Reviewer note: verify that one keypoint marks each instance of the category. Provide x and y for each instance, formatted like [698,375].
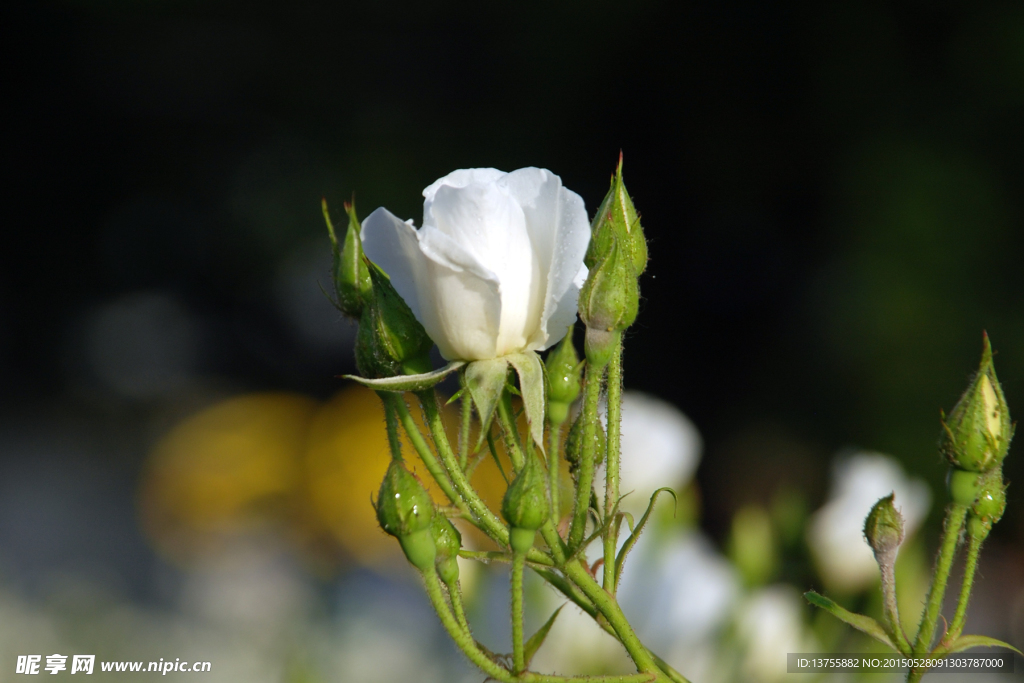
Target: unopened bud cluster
[975,439]
[617,255]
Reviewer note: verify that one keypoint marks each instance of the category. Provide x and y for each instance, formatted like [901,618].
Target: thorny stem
[973,551]
[455,596]
[391,422]
[420,444]
[953,524]
[554,461]
[585,474]
[892,613]
[611,491]
[518,660]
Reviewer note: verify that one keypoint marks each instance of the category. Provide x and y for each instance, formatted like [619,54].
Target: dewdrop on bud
[390,340]
[883,529]
[448,542]
[525,506]
[405,510]
[563,373]
[989,505]
[976,435]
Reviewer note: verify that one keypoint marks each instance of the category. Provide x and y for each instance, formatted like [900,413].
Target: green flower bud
[351,275]
[963,486]
[617,220]
[883,529]
[390,340]
[525,506]
[574,443]
[977,434]
[610,297]
[448,542]
[563,372]
[405,510]
[989,506]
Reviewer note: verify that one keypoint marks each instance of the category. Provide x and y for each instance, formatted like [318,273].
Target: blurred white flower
[836,531]
[497,266]
[769,625]
[660,447]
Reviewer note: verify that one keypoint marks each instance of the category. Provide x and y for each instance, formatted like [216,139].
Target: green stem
[611,611]
[484,519]
[467,416]
[391,422]
[953,524]
[891,608]
[585,474]
[973,551]
[611,490]
[518,658]
[508,427]
[554,443]
[455,596]
[426,455]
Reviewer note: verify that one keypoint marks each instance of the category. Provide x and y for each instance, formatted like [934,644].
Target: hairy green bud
[525,506]
[883,529]
[617,220]
[976,435]
[963,486]
[390,340]
[989,506]
[448,542]
[574,443]
[351,275]
[610,298]
[406,511]
[563,374]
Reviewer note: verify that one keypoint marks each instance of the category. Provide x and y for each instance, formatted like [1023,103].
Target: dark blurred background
[832,194]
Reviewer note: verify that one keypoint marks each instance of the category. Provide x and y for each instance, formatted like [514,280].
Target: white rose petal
[497,265]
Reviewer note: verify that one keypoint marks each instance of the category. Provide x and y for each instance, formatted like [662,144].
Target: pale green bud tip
[525,505]
[976,435]
[403,506]
[390,340]
[563,373]
[617,218]
[883,527]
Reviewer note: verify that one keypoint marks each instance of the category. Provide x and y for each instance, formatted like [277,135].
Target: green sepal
[610,297]
[418,382]
[537,639]
[635,535]
[485,380]
[532,385]
[967,642]
[403,505]
[525,505]
[617,218]
[862,623]
[563,374]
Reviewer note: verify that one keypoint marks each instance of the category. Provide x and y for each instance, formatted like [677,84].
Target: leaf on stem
[860,622]
[537,639]
[635,535]
[531,382]
[408,382]
[966,642]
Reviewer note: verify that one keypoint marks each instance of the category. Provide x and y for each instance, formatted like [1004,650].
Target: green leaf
[537,639]
[408,382]
[635,535]
[967,642]
[485,380]
[858,621]
[531,382]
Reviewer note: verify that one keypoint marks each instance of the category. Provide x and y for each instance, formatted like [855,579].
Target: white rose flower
[496,267]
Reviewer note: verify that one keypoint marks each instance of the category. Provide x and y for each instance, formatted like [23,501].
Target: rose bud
[351,275]
[563,374]
[390,340]
[525,506]
[617,219]
[405,510]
